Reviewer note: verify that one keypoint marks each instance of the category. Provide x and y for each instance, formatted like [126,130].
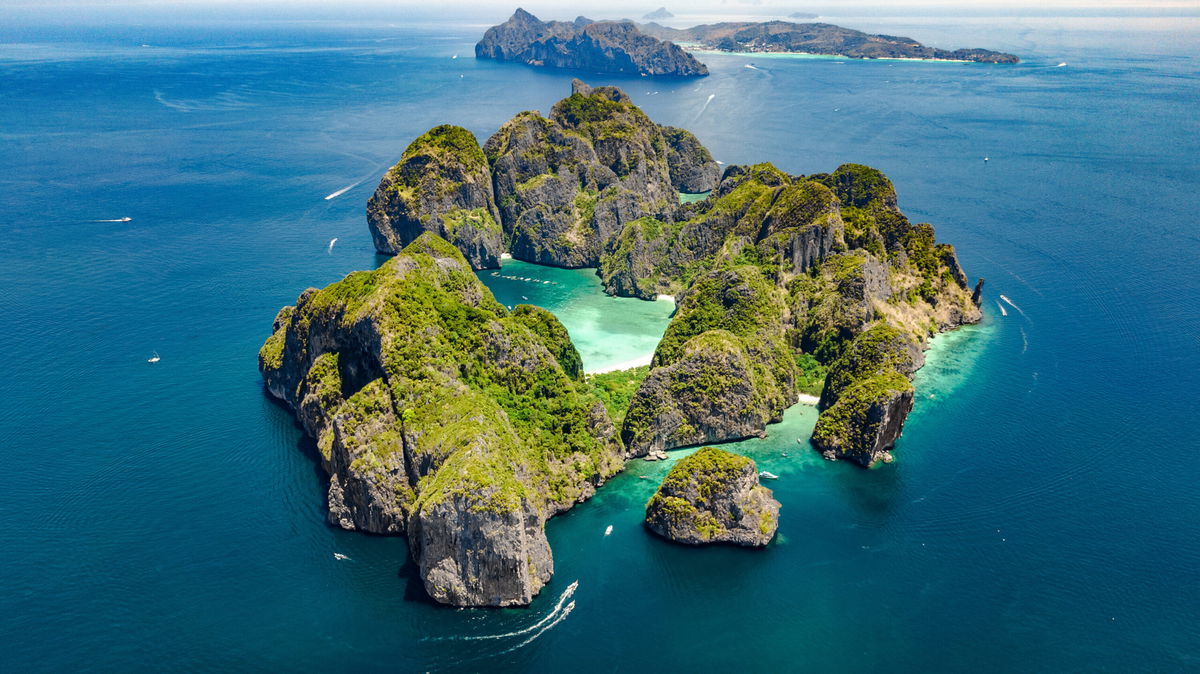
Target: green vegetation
[473,218]
[810,379]
[852,423]
[490,400]
[616,389]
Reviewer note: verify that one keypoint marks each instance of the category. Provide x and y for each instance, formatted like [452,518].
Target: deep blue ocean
[1043,513]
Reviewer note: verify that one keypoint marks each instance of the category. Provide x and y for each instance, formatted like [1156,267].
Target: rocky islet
[442,415]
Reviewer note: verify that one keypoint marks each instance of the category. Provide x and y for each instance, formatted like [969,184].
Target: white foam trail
[1061,65]
[331,242]
[124,219]
[751,66]
[549,616]
[705,106]
[159,97]
[1001,307]
[561,617]
[1014,306]
[1024,341]
[344,190]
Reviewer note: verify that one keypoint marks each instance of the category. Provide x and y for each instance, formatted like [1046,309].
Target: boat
[768,476]
[608,531]
[153,359]
[339,556]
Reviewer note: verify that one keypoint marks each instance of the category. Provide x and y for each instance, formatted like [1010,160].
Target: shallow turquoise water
[1041,514]
[609,332]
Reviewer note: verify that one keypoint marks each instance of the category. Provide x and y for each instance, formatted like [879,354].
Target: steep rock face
[878,350]
[713,496]
[604,47]
[569,183]
[692,167]
[438,413]
[866,420]
[756,213]
[442,185]
[722,371]
[843,256]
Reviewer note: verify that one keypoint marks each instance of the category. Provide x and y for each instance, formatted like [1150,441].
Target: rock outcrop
[713,496]
[582,44]
[824,260]
[567,184]
[440,414]
[815,38]
[722,371]
[693,169]
[442,185]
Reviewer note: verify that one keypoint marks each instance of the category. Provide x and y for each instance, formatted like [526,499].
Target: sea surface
[1043,511]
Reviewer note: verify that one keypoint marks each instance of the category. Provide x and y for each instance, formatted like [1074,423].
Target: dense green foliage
[849,423]
[484,392]
[615,389]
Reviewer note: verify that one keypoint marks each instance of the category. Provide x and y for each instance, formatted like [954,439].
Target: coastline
[811,55]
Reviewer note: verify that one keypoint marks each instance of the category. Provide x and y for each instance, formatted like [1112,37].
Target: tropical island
[624,47]
[813,38]
[594,46]
[440,414]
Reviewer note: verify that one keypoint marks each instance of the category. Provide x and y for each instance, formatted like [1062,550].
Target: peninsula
[593,46]
[442,415]
[814,38]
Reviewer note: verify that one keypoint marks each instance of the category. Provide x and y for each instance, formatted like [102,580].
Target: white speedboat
[768,476]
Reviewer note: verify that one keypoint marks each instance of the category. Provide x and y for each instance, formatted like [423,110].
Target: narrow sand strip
[629,364]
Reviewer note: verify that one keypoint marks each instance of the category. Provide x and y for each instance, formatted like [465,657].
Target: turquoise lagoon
[1042,510]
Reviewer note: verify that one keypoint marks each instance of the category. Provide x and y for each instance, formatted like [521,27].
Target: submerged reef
[443,416]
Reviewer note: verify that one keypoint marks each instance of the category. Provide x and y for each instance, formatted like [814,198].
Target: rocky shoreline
[444,416]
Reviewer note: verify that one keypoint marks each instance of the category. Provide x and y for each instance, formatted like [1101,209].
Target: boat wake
[1003,311]
[344,190]
[561,617]
[751,66]
[124,219]
[558,611]
[1061,65]
[331,242]
[1014,306]
[705,106]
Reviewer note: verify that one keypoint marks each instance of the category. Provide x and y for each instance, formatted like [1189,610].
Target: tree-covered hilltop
[552,190]
[442,185]
[440,414]
[713,496]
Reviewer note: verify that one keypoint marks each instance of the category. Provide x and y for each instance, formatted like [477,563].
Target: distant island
[442,415]
[802,15]
[594,46]
[660,13]
[814,38]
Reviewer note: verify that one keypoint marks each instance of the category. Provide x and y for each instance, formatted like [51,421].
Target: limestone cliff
[713,496]
[835,258]
[439,414]
[722,371]
[601,46]
[442,185]
[567,184]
